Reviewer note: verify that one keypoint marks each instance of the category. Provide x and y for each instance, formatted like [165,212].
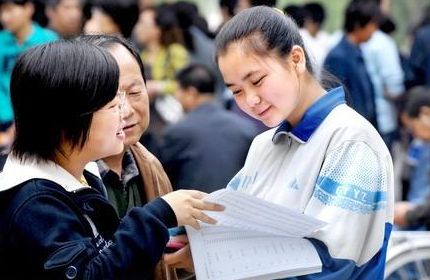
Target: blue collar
[312,118]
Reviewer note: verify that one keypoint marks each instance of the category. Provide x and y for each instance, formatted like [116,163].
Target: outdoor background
[405,13]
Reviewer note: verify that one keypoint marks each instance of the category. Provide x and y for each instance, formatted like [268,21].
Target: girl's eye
[258,82]
[235,92]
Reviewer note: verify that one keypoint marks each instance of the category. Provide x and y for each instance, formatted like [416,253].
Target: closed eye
[258,82]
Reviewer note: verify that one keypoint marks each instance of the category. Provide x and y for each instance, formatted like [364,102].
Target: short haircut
[197,76]
[230,5]
[315,12]
[17,2]
[270,3]
[110,41]
[296,12]
[54,3]
[55,89]
[417,98]
[124,13]
[359,13]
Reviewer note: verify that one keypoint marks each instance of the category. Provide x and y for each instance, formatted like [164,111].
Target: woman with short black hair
[55,219]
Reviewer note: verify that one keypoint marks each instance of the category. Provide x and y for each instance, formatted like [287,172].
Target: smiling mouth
[263,112]
[128,126]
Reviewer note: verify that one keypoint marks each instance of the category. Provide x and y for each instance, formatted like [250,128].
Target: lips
[128,126]
[263,112]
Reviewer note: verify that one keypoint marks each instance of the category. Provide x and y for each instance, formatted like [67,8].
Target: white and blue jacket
[333,166]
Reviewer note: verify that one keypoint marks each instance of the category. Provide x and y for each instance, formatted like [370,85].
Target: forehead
[128,65]
[11,5]
[238,60]
[69,3]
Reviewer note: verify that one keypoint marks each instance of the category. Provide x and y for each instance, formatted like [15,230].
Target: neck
[23,33]
[310,91]
[352,39]
[200,100]
[115,162]
[154,46]
[73,164]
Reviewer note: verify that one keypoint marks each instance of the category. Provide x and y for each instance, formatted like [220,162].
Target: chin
[271,123]
[117,150]
[131,140]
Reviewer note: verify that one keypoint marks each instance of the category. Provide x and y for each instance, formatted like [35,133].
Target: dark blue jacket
[46,233]
[420,56]
[206,149]
[346,62]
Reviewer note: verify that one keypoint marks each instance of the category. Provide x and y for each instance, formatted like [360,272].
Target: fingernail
[220,207]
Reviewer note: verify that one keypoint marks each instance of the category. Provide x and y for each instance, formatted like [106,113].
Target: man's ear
[298,59]
[49,12]
[29,7]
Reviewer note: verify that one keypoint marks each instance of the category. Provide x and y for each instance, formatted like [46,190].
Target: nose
[252,98]
[126,108]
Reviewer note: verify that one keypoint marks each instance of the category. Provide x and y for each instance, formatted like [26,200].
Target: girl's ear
[298,59]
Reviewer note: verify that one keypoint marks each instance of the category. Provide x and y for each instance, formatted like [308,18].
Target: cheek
[143,113]
[243,105]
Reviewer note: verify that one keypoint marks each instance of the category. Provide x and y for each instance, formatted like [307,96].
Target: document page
[226,254]
[253,239]
[250,213]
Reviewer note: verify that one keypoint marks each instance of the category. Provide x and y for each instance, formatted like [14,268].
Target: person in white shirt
[321,157]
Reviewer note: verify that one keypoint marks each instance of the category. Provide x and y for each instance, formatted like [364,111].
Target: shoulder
[183,127]
[379,42]
[344,124]
[31,194]
[177,49]
[423,33]
[337,54]
[5,36]
[264,139]
[141,153]
[44,35]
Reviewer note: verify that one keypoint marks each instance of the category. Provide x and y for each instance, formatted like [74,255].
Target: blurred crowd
[196,129]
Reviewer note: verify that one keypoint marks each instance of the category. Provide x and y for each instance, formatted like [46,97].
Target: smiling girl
[321,157]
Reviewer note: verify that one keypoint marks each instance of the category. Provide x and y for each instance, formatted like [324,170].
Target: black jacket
[47,232]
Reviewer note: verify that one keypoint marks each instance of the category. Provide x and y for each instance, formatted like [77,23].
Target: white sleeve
[353,193]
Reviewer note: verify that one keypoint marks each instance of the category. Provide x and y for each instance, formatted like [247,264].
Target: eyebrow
[133,84]
[249,74]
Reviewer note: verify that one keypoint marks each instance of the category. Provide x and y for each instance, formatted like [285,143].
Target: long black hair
[263,29]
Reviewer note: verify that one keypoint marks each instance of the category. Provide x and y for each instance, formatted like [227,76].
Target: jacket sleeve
[353,194]
[48,228]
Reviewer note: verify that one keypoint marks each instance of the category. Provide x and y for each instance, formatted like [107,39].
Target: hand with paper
[253,239]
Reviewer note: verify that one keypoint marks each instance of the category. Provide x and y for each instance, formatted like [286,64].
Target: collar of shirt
[27,41]
[129,167]
[312,118]
[16,172]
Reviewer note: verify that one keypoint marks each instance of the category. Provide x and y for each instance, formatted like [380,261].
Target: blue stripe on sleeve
[340,269]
